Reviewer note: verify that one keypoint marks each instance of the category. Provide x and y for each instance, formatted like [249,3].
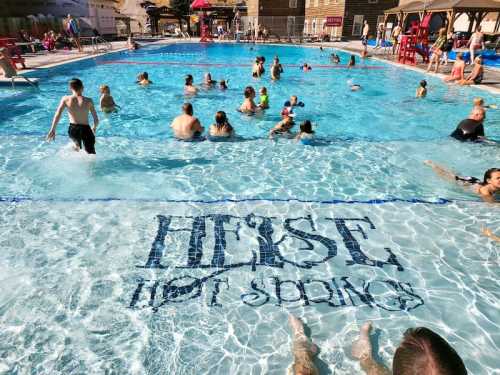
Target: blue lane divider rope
[438,201]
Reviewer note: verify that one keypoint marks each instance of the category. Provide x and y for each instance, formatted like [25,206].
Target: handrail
[96,41]
[23,77]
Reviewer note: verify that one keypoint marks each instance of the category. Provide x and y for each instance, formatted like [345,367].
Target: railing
[98,43]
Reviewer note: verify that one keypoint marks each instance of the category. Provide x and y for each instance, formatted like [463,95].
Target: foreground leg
[362,350]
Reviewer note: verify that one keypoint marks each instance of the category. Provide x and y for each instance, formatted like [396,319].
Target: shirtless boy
[186,127]
[78,107]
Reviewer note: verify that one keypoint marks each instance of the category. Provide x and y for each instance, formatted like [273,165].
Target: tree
[181,9]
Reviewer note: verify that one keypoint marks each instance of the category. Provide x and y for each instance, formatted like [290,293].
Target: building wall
[280,17]
[316,12]
[370,11]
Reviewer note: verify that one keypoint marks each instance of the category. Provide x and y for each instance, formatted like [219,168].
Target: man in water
[471,129]
[189,88]
[421,351]
[78,107]
[186,127]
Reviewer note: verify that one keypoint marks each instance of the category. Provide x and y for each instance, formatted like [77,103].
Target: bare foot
[430,163]
[296,324]
[362,347]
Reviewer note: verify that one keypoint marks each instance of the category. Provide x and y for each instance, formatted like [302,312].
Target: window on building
[292,3]
[308,3]
[290,25]
[306,26]
[316,3]
[313,26]
[357,26]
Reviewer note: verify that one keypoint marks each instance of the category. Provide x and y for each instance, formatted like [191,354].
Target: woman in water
[457,72]
[422,89]
[306,134]
[488,189]
[248,105]
[222,128]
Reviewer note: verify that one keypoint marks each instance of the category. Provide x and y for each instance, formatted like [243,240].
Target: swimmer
[355,87]
[293,102]
[304,350]
[264,98]
[248,105]
[471,129]
[143,79]
[223,85]
[222,128]
[186,127]
[189,88]
[335,59]
[276,69]
[306,134]
[321,48]
[422,89]
[208,81]
[479,102]
[107,102]
[306,67]
[283,127]
[78,107]
[258,67]
[352,61]
[488,189]
[421,351]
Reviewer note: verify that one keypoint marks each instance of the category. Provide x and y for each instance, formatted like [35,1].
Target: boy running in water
[78,107]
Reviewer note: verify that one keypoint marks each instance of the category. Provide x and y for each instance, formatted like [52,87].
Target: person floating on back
[186,127]
[107,102]
[422,89]
[78,107]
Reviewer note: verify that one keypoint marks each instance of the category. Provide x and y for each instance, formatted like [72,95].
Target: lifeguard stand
[205,33]
[416,42]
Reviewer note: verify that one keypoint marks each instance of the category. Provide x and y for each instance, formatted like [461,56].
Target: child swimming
[283,127]
[143,79]
[306,67]
[223,85]
[107,102]
[264,98]
[306,134]
[422,89]
[479,102]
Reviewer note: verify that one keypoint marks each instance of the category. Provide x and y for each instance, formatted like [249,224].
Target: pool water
[162,257]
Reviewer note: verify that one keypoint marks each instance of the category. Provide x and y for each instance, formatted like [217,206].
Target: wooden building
[344,18]
[280,17]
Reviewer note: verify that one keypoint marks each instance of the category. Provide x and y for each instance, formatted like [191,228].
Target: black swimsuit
[82,133]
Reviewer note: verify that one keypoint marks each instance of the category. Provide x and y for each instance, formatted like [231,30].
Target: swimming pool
[170,257]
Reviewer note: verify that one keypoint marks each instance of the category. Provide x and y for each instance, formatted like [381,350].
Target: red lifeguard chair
[416,42]
[206,35]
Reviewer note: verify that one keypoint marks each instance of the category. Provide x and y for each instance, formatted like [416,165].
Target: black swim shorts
[82,133]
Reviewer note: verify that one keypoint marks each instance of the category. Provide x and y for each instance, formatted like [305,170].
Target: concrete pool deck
[47,60]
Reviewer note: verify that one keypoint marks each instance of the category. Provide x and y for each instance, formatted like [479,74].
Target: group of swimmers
[187,127]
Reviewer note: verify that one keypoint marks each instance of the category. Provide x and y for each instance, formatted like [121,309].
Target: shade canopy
[446,5]
[200,4]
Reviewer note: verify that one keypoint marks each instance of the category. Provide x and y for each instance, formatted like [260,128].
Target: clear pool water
[162,257]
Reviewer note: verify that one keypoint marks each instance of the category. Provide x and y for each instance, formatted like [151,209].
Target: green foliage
[180,8]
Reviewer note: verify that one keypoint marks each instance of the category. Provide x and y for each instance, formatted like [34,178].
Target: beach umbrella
[200,4]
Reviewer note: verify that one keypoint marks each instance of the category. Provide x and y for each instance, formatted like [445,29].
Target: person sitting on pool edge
[283,127]
[186,127]
[248,106]
[488,189]
[306,134]
[78,107]
[222,128]
[476,76]
[422,89]
[421,352]
[143,79]
[189,88]
[471,129]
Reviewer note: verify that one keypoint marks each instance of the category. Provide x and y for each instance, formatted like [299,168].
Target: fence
[281,27]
